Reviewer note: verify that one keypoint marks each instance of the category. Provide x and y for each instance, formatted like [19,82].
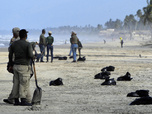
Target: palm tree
[129,24]
[147,16]
[138,14]
[118,24]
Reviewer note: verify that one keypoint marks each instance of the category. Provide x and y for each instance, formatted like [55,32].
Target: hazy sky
[40,14]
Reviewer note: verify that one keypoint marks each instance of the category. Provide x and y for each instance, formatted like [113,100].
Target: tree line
[140,21]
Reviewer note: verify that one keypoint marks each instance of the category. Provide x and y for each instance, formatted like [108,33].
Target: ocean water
[58,39]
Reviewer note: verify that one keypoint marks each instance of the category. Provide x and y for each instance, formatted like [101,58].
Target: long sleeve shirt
[50,40]
[74,39]
[23,53]
[42,39]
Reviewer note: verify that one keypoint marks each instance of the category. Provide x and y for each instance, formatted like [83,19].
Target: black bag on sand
[102,75]
[56,82]
[142,101]
[139,93]
[109,82]
[81,59]
[126,77]
[108,68]
[63,58]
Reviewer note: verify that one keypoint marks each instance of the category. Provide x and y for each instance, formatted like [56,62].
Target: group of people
[46,42]
[20,62]
[21,58]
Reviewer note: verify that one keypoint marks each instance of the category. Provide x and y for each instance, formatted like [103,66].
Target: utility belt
[20,64]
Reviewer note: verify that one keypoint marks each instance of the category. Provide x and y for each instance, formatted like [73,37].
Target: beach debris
[81,58]
[102,75]
[108,68]
[56,82]
[142,101]
[139,93]
[109,81]
[62,58]
[70,57]
[126,77]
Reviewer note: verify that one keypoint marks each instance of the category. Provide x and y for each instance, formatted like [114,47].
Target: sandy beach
[81,93]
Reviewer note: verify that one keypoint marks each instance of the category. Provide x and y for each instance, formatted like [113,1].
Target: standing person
[79,48]
[15,37]
[21,66]
[42,44]
[49,41]
[121,42]
[74,41]
[70,46]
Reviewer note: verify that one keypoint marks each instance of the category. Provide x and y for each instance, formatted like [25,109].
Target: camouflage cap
[73,32]
[15,30]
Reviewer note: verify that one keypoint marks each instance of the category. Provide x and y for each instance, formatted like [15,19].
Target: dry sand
[81,93]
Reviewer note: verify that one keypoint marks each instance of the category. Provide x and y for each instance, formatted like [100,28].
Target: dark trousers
[42,50]
[49,48]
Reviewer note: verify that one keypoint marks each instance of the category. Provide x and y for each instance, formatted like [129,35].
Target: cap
[15,30]
[73,32]
[50,32]
[23,31]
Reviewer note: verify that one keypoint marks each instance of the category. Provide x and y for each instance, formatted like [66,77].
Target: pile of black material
[144,99]
[81,59]
[105,74]
[62,58]
[139,93]
[109,82]
[102,75]
[108,68]
[126,77]
[56,82]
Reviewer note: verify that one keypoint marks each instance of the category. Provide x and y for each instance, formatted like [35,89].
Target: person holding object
[23,54]
[49,41]
[15,37]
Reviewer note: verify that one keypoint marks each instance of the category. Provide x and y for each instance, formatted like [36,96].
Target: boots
[24,102]
[16,102]
[8,101]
